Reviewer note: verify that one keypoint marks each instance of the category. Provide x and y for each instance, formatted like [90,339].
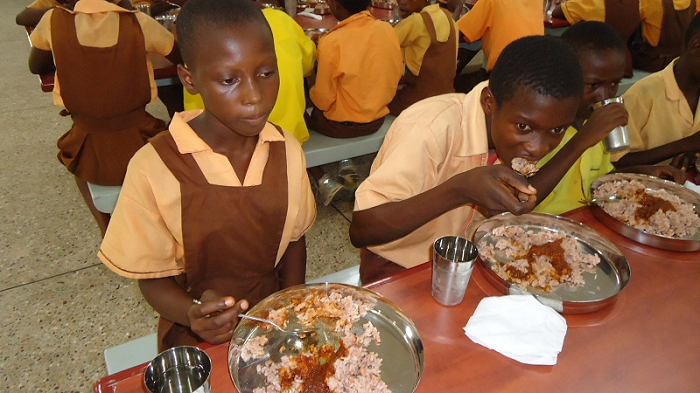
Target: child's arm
[30,17]
[689,144]
[601,122]
[663,171]
[174,56]
[213,320]
[494,188]
[293,264]
[41,61]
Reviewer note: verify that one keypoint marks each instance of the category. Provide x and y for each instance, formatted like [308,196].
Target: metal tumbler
[182,369]
[453,262]
[618,139]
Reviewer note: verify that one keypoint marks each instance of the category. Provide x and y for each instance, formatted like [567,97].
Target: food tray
[401,349]
[600,288]
[687,244]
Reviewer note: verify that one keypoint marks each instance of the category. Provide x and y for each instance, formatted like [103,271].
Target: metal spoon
[298,339]
[611,198]
[295,331]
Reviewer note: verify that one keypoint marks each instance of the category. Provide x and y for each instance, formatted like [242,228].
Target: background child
[31,15]
[359,67]
[217,208]
[296,57]
[433,170]
[107,103]
[497,23]
[663,23]
[428,37]
[601,53]
[664,110]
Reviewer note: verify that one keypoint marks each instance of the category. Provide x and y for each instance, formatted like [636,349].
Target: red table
[647,340]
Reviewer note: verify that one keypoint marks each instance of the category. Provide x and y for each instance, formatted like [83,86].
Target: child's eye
[229,81]
[523,127]
[267,74]
[558,130]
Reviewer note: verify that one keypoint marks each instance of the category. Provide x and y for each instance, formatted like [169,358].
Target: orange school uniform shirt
[650,11]
[97,25]
[497,23]
[359,67]
[415,39]
[144,238]
[430,142]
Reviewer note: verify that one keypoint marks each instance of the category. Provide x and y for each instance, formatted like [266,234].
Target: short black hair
[593,36]
[197,16]
[354,6]
[542,64]
[692,30]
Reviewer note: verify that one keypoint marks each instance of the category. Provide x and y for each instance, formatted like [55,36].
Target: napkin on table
[519,327]
[692,186]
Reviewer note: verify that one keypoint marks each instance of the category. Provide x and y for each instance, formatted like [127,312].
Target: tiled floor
[59,306]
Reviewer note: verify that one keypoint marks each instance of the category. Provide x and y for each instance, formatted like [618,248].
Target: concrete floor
[59,306]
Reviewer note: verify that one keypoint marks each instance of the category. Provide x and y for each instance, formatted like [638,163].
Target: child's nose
[252,93]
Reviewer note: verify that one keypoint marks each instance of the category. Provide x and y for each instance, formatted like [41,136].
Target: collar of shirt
[188,141]
[474,124]
[97,6]
[359,16]
[673,91]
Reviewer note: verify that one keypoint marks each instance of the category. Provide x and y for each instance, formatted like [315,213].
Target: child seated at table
[664,110]
[216,209]
[358,72]
[31,15]
[428,38]
[434,169]
[601,53]
[107,103]
[663,23]
[296,57]
[497,23]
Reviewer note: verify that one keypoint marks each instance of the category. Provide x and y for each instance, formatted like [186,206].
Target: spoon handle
[244,316]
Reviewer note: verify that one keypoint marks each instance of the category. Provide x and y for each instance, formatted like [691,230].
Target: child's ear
[186,79]
[488,102]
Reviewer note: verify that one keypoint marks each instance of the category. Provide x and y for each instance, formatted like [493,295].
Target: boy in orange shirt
[213,212]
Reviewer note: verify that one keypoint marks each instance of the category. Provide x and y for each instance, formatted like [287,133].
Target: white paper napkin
[518,326]
[310,14]
[692,186]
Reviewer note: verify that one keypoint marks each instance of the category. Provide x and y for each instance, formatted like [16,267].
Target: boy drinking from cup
[213,213]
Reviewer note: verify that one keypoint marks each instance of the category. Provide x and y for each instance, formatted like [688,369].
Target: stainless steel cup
[618,139]
[453,262]
[182,369]
[145,8]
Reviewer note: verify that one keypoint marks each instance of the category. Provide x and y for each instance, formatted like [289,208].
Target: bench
[321,149]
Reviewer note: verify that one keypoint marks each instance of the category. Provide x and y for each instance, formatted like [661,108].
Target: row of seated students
[216,209]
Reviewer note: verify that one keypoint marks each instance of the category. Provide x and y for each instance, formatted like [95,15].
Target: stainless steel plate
[688,243]
[600,288]
[401,349]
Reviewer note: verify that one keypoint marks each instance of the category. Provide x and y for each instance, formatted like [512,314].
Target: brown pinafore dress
[106,91]
[623,16]
[437,71]
[231,234]
[671,40]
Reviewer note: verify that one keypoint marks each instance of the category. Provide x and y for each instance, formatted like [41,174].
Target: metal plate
[600,288]
[687,244]
[401,349]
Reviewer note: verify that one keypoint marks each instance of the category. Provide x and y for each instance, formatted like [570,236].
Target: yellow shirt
[296,57]
[97,25]
[430,142]
[576,183]
[651,13]
[359,67]
[497,23]
[144,238]
[658,112]
[415,39]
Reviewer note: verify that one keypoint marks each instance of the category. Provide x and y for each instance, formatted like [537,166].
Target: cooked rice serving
[347,366]
[541,260]
[524,167]
[658,212]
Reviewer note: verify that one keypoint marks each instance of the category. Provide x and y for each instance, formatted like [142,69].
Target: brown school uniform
[436,74]
[242,266]
[671,40]
[623,16]
[107,103]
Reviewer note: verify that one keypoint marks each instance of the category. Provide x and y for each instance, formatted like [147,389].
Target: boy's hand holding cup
[214,317]
[618,138]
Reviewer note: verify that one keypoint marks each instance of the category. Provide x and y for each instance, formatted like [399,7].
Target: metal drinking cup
[145,8]
[618,139]
[453,262]
[182,369]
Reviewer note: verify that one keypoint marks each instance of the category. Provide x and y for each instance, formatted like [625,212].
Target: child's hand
[668,172]
[602,121]
[685,160]
[214,319]
[498,188]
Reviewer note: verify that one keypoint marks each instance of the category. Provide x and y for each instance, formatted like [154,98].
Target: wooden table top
[647,340]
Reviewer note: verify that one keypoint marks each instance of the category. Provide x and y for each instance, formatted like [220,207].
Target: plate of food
[354,340]
[649,210]
[563,263]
